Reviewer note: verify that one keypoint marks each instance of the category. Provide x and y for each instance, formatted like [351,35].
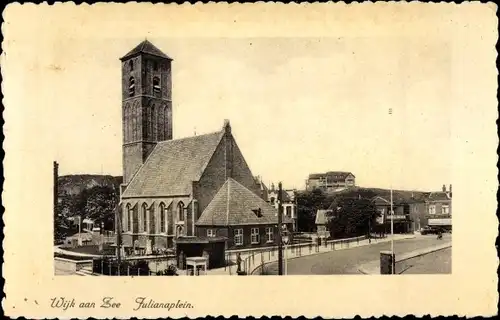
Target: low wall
[71,266]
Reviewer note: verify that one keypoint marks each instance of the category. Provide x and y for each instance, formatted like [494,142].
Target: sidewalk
[373,267]
[252,262]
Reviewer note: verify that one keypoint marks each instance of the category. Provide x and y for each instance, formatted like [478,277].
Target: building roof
[173,165]
[285,196]
[236,205]
[322,216]
[439,196]
[148,48]
[332,175]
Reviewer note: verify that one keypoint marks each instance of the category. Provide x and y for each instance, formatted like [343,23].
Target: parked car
[430,230]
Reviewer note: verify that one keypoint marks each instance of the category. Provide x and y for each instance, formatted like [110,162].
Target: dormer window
[258,212]
[156,86]
[131,87]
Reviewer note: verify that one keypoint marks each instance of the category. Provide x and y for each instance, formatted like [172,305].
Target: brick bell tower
[146,104]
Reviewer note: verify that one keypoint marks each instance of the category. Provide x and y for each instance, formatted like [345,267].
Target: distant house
[331,181]
[438,207]
[322,219]
[402,218]
[240,215]
[288,202]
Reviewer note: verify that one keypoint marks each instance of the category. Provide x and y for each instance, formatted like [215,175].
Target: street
[346,261]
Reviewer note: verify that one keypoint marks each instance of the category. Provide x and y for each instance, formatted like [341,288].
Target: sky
[297,105]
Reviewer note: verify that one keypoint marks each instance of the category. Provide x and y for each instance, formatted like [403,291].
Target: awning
[440,222]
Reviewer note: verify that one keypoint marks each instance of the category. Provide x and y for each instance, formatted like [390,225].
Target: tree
[352,215]
[98,203]
[308,203]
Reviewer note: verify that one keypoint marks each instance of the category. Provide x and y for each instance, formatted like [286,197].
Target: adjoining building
[288,202]
[240,215]
[330,181]
[168,185]
[438,206]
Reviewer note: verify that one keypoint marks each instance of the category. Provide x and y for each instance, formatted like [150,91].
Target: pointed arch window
[131,87]
[130,218]
[127,224]
[156,86]
[180,211]
[144,217]
[162,217]
[153,123]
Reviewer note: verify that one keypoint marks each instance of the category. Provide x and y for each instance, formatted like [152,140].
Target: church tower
[146,104]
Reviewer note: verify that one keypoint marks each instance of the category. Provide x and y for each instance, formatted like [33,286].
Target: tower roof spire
[145,47]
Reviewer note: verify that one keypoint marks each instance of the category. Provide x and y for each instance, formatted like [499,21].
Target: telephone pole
[280,221]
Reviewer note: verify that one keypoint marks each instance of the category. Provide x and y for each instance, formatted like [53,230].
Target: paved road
[438,262]
[346,261]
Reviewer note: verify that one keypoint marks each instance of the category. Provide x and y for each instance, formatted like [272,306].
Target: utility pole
[118,228]
[392,214]
[280,221]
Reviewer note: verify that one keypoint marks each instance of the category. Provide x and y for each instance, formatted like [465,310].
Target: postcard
[259,159]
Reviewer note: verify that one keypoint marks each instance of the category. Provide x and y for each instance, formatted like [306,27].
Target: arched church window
[127,225]
[162,217]
[131,87]
[153,123]
[130,218]
[131,65]
[180,211]
[144,217]
[156,86]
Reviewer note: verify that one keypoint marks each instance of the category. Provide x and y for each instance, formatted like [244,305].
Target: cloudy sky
[297,105]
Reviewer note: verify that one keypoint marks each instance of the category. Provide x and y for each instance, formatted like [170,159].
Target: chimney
[450,187]
[444,188]
[227,126]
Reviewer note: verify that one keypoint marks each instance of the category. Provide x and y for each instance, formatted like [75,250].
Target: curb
[374,266]
[317,253]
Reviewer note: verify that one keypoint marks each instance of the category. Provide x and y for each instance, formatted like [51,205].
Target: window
[127,225]
[180,211]
[156,86]
[155,66]
[131,87]
[130,219]
[445,209]
[255,236]
[162,217]
[432,209]
[210,233]
[238,237]
[269,234]
[131,65]
[144,217]
[289,211]
[272,200]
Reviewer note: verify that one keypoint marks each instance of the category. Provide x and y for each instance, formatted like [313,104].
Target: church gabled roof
[234,204]
[173,165]
[146,47]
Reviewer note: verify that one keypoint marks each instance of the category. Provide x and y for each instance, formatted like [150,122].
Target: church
[198,186]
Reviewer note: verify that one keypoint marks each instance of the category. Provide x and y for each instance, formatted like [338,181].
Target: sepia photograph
[230,159]
[197,205]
